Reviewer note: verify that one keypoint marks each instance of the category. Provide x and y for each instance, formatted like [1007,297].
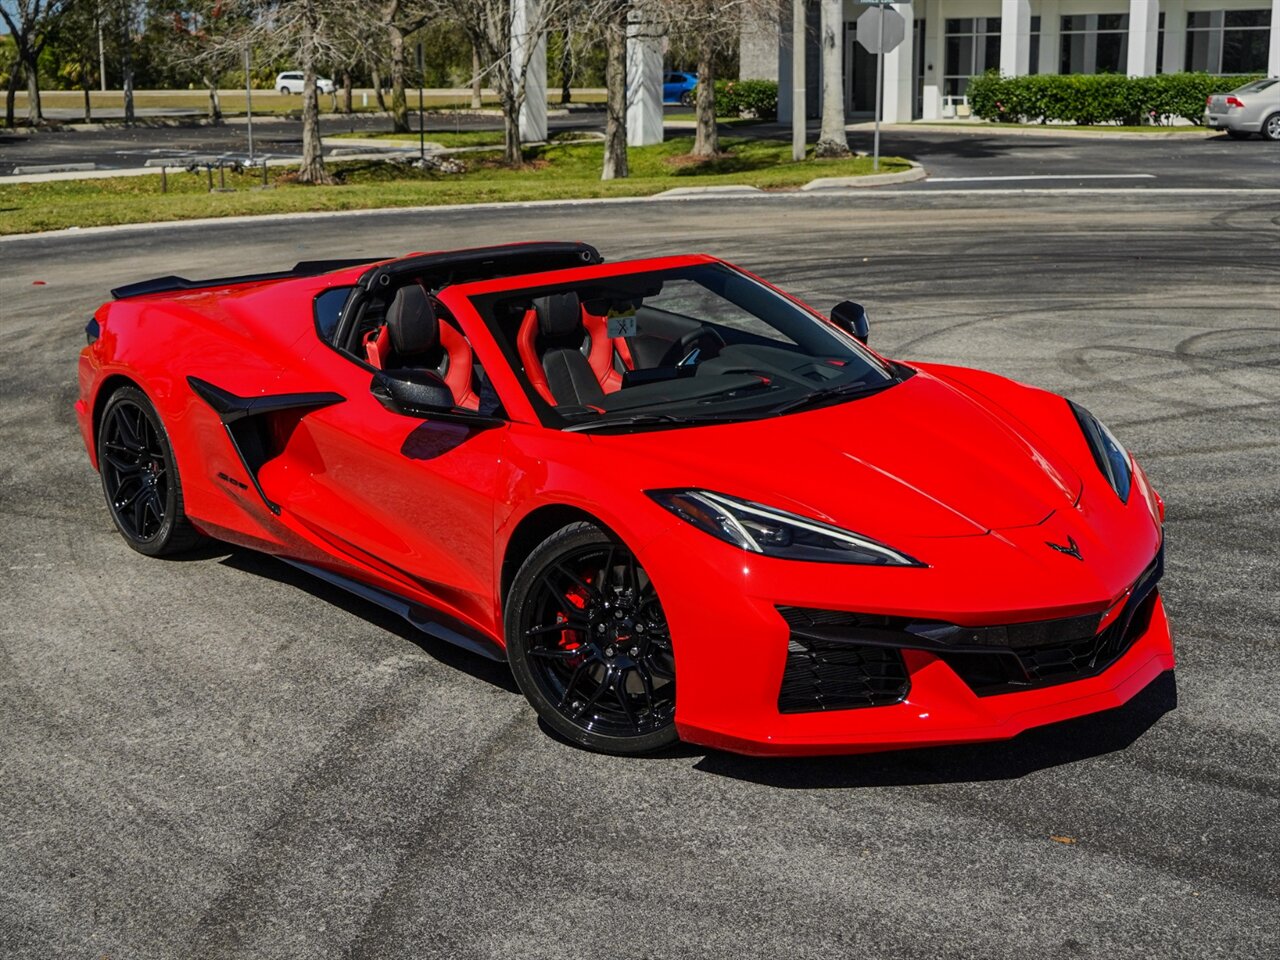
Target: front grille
[840,676]
[853,659]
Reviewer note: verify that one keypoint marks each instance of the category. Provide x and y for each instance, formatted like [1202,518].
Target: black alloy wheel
[140,476]
[687,98]
[589,644]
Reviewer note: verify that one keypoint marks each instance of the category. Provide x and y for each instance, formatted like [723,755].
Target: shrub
[1095,98]
[734,98]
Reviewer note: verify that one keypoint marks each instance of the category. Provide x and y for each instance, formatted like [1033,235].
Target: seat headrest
[559,315]
[412,323]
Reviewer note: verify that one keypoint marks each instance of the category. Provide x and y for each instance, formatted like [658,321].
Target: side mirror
[424,395]
[852,319]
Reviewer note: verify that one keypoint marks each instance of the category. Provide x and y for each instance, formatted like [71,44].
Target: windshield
[693,344]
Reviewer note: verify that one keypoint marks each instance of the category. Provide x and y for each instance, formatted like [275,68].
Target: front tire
[589,644]
[140,477]
[1271,127]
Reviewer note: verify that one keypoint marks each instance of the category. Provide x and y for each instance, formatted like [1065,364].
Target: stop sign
[881,29]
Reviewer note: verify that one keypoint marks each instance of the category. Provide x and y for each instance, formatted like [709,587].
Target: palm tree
[833,141]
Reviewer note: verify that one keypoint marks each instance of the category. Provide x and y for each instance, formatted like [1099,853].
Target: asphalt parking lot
[218,757]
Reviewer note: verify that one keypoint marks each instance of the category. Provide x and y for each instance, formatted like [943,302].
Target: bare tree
[400,18]
[833,141]
[612,16]
[488,25]
[32,24]
[712,26]
[196,38]
[304,32]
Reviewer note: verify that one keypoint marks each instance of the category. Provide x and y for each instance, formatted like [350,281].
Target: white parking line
[1050,176]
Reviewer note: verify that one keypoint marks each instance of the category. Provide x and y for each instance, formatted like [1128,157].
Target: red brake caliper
[576,598]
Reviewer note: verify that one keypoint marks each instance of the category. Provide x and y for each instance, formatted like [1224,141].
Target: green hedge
[757,97]
[1084,98]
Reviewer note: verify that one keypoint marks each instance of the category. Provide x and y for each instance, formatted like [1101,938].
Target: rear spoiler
[305,268]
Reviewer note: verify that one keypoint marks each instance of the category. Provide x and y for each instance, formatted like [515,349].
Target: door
[407,503]
[860,73]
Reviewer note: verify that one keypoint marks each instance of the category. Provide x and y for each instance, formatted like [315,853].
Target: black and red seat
[567,352]
[414,336]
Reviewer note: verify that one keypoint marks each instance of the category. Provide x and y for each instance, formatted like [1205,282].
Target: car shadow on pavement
[456,658]
[1049,746]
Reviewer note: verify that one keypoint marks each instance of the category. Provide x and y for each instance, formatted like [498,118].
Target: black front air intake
[837,659]
[824,675]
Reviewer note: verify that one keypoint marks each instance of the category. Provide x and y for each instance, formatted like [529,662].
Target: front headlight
[775,533]
[1108,453]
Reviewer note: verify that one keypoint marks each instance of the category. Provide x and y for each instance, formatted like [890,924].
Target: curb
[916,172]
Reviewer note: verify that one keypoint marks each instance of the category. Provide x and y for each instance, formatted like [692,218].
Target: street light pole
[797,79]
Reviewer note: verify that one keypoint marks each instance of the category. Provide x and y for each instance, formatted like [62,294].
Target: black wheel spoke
[591,684]
[120,465]
[571,624]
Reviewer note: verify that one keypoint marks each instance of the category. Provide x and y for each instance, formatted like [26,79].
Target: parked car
[679,87]
[291,82]
[616,475]
[1253,108]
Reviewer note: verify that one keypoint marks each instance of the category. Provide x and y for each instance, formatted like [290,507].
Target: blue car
[678,88]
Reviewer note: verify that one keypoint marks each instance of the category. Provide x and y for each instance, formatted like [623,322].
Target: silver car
[1253,108]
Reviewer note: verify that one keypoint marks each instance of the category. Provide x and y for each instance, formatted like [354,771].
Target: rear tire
[285,91]
[687,98]
[589,645]
[140,477]
[1271,127]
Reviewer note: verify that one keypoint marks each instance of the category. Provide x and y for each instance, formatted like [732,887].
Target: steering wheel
[704,339]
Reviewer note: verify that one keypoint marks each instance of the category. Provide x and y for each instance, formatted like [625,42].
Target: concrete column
[1144,36]
[784,78]
[935,41]
[529,53]
[1175,35]
[1015,37]
[644,82]
[899,73]
[1273,56]
[758,51]
[1050,36]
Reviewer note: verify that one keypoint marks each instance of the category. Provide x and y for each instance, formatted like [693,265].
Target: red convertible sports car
[677,501]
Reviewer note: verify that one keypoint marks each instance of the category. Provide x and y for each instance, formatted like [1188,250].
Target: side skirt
[428,621]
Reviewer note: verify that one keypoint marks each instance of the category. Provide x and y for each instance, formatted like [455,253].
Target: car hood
[921,459]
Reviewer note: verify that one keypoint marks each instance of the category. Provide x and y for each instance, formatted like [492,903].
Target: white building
[952,40]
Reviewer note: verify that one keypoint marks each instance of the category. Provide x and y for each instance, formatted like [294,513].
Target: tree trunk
[566,68]
[126,74]
[615,82]
[312,168]
[376,77]
[346,91]
[88,108]
[399,104]
[833,141]
[215,104]
[707,141]
[475,78]
[11,91]
[511,152]
[29,65]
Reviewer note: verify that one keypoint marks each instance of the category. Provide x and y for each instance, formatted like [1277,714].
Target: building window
[1228,41]
[1033,60]
[1095,43]
[973,47]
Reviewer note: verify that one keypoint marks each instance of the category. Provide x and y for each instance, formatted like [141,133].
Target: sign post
[880,30]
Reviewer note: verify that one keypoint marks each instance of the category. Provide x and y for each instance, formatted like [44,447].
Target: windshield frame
[473,299]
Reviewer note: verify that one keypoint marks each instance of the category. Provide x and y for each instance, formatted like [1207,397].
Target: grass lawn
[554,172]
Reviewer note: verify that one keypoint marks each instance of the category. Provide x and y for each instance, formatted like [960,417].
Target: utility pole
[797,79]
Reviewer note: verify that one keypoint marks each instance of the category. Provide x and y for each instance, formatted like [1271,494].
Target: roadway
[969,157]
[219,757]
